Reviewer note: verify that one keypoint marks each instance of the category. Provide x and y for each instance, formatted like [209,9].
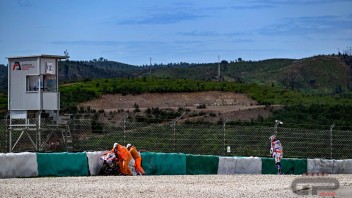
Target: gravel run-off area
[162,186]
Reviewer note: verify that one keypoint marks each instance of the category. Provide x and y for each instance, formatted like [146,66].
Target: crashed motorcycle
[109,165]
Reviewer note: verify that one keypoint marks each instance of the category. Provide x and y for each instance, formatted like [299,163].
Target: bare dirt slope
[231,105]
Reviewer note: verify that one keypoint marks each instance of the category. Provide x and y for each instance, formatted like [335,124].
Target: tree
[224,62]
[292,75]
[101,59]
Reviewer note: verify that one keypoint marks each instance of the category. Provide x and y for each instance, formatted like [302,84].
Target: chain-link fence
[82,133]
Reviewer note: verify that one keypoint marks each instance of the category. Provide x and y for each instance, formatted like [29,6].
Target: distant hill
[80,70]
[318,74]
[244,71]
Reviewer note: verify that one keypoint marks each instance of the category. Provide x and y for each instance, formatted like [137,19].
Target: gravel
[159,186]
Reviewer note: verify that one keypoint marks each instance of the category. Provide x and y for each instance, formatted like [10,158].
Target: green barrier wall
[164,163]
[201,164]
[62,164]
[289,166]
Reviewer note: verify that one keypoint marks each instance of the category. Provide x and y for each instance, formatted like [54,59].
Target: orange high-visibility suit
[124,159]
[137,159]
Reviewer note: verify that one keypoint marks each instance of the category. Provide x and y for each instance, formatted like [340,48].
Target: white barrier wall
[131,166]
[239,165]
[329,166]
[347,166]
[18,165]
[94,162]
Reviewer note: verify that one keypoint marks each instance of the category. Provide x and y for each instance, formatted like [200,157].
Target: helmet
[272,138]
[128,145]
[115,145]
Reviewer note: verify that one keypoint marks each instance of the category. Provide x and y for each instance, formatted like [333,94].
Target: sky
[140,32]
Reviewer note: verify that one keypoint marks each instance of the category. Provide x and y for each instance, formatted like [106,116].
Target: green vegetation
[3,104]
[319,74]
[318,115]
[3,78]
[315,109]
[3,100]
[75,93]
[97,68]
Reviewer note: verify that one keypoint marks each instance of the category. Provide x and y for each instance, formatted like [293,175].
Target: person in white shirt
[276,151]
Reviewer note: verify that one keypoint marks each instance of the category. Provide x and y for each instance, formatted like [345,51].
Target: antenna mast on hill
[66,54]
[218,67]
[150,65]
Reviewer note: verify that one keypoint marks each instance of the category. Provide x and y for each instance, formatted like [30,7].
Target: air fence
[82,133]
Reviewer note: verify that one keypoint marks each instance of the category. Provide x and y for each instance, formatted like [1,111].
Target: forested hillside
[3,78]
[319,74]
[79,70]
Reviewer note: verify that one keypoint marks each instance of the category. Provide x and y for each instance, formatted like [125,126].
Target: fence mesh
[88,134]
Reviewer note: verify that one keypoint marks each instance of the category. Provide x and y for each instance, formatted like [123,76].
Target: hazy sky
[194,31]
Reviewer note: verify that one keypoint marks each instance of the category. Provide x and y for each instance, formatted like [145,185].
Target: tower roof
[40,56]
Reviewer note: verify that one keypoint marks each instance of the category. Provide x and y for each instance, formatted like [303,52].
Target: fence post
[74,126]
[4,140]
[7,135]
[224,135]
[38,135]
[124,128]
[2,137]
[277,122]
[174,129]
[331,127]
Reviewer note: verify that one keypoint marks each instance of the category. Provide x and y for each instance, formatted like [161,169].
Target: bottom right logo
[321,186]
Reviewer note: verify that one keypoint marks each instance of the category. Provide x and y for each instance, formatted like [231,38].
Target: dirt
[232,106]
